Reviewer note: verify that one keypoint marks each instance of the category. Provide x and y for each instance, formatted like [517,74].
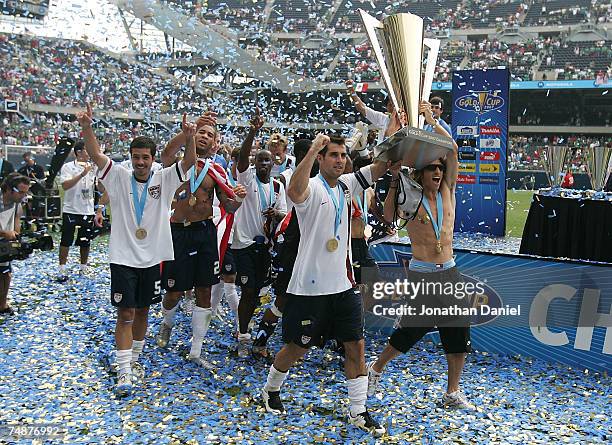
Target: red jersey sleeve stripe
[107,169]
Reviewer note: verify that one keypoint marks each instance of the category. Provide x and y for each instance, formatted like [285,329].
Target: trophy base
[417,148]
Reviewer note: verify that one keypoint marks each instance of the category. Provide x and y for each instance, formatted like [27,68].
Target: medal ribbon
[339,207]
[230,178]
[363,209]
[139,201]
[262,194]
[283,166]
[195,183]
[435,226]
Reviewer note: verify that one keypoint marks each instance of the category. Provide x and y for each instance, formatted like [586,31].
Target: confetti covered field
[54,371]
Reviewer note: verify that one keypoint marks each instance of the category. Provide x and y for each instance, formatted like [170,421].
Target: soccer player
[285,259]
[78,179]
[194,237]
[140,236]
[256,220]
[431,236]
[321,296]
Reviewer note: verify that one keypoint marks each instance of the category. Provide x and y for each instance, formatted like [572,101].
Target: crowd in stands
[306,16]
[525,152]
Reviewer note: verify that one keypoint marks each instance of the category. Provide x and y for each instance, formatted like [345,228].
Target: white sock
[62,269]
[231,295]
[216,292]
[200,320]
[83,267]
[124,359]
[276,378]
[169,315]
[358,393]
[137,347]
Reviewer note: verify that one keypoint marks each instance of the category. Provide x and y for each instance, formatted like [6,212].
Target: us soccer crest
[117,297]
[305,339]
[170,282]
[155,191]
[244,279]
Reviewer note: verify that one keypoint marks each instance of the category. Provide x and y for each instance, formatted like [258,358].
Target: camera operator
[14,188]
[30,168]
[78,179]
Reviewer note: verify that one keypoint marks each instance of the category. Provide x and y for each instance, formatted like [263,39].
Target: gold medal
[438,247]
[367,231]
[192,200]
[332,245]
[141,233]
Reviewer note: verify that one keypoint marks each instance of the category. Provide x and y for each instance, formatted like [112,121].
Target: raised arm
[85,119]
[452,159]
[245,150]
[359,105]
[298,186]
[189,129]
[168,155]
[379,168]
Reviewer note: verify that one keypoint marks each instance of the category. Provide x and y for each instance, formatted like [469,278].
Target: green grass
[517,207]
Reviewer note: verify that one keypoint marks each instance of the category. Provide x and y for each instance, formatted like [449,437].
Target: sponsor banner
[467,130]
[466,179]
[467,155]
[563,305]
[469,167]
[489,168]
[542,85]
[480,99]
[490,130]
[489,155]
[490,143]
[488,179]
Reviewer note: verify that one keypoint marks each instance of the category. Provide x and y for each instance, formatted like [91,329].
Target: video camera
[23,247]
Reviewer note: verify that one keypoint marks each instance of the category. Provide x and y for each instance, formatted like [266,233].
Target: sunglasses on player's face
[434,167]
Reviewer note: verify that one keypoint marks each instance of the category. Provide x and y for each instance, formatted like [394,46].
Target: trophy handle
[430,68]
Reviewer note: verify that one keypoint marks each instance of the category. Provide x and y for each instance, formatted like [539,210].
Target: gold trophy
[555,158]
[599,167]
[398,45]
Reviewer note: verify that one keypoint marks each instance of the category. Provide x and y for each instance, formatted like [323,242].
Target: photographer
[14,188]
[78,179]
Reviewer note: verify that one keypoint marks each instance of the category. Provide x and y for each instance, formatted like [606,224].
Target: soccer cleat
[163,336]
[365,422]
[272,401]
[456,400]
[138,372]
[7,311]
[61,278]
[124,384]
[373,379]
[201,362]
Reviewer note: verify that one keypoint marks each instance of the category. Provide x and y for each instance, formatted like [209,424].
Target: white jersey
[7,216]
[379,120]
[127,164]
[78,199]
[124,247]
[277,170]
[287,174]
[249,220]
[318,271]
